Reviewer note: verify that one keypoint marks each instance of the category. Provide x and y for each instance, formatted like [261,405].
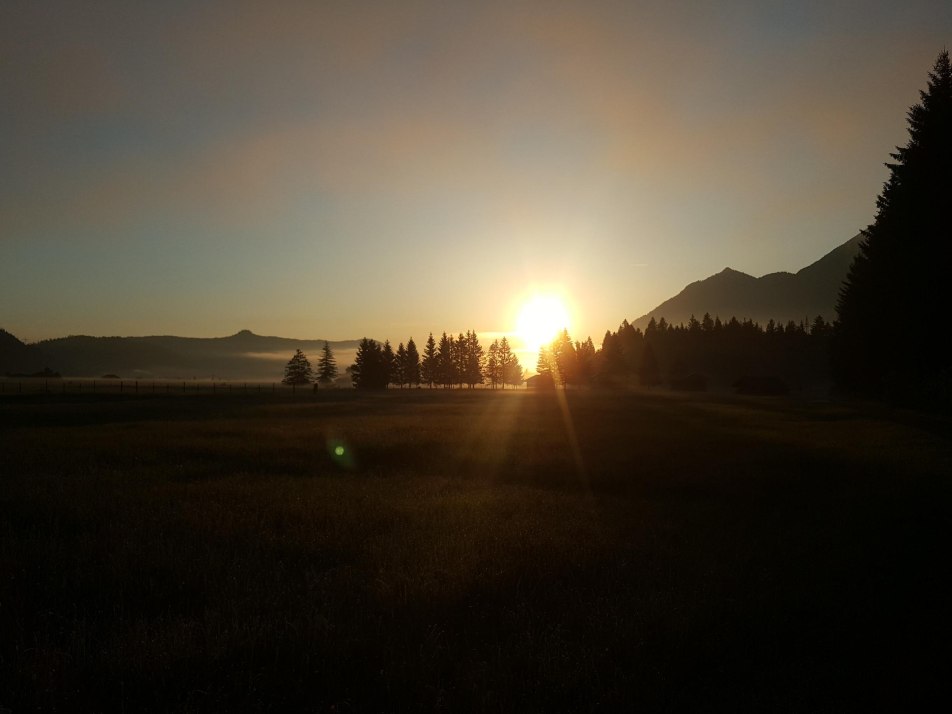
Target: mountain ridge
[779,296]
[243,355]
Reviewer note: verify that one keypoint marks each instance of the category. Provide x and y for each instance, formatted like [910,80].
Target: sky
[329,170]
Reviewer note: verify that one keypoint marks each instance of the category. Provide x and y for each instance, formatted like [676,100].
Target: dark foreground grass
[470,552]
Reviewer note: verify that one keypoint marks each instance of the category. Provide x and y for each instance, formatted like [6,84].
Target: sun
[540,320]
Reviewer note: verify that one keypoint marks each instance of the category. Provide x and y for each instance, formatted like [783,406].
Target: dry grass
[214,553]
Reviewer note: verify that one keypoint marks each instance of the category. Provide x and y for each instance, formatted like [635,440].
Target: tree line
[451,362]
[687,356]
[298,370]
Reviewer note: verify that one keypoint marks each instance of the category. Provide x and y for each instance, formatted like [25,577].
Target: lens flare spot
[338,450]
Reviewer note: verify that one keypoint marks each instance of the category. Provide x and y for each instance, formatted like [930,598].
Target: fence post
[120,386]
[137,386]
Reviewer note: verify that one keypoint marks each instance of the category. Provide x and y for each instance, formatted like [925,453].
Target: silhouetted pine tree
[369,370]
[584,361]
[298,370]
[899,276]
[512,372]
[326,366]
[445,369]
[429,371]
[412,368]
[563,359]
[400,366]
[472,360]
[545,362]
[458,353]
[388,362]
[493,371]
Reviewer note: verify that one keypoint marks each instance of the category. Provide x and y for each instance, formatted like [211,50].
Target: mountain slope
[244,355]
[780,296]
[16,357]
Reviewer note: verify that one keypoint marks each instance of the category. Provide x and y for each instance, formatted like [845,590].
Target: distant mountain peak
[244,333]
[780,296]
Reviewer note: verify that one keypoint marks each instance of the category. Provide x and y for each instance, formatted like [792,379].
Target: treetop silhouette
[899,275]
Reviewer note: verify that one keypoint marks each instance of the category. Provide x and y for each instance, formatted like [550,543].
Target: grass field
[470,551]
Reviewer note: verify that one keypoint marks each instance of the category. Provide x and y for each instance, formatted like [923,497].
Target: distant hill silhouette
[18,358]
[243,355]
[781,296]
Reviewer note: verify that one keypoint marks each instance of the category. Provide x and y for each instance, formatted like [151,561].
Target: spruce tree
[545,362]
[326,366]
[388,363]
[444,361]
[369,370]
[472,360]
[897,281]
[412,368]
[584,361]
[511,369]
[493,366]
[429,371]
[400,366]
[298,370]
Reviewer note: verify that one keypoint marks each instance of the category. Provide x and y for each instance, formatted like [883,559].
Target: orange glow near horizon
[541,317]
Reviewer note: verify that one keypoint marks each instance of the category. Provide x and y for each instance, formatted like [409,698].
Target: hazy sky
[333,170]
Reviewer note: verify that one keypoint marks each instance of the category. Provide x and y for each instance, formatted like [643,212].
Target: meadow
[470,551]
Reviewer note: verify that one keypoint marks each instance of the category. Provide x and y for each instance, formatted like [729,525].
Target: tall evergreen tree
[326,366]
[388,362]
[459,359]
[429,368]
[512,372]
[493,365]
[298,370]
[444,361]
[369,370]
[899,276]
[471,370]
[400,366]
[584,361]
[563,359]
[412,369]
[544,365]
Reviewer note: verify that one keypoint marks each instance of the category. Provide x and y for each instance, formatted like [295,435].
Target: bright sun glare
[540,319]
